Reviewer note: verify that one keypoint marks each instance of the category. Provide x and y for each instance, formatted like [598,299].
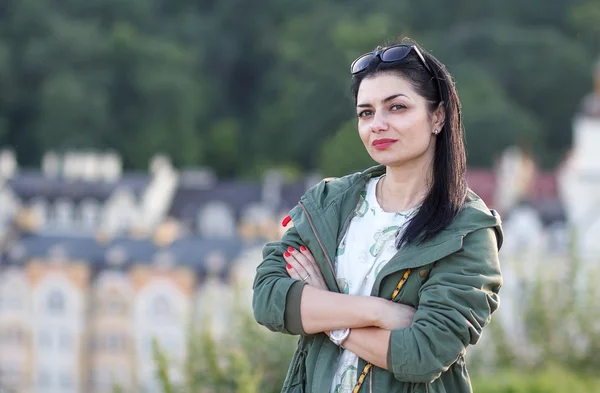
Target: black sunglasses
[387,55]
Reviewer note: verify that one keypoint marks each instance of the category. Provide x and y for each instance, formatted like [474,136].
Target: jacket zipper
[312,227]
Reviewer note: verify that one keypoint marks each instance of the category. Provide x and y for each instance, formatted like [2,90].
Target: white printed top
[367,246]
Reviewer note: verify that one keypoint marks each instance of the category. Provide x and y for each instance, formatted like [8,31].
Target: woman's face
[394,122]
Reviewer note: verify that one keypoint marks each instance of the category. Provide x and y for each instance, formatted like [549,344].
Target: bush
[551,380]
[251,360]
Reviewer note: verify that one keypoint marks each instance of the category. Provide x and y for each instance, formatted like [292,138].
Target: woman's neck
[404,188]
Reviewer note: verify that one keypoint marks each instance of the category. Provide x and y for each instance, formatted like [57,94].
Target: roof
[189,199]
[76,248]
[30,184]
[291,194]
[483,183]
[191,251]
[544,186]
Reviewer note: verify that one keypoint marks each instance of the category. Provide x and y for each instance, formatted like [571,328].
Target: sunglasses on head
[387,55]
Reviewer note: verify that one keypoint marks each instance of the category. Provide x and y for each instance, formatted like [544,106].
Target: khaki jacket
[454,286]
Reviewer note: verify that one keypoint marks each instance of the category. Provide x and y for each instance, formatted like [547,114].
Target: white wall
[57,335]
[168,323]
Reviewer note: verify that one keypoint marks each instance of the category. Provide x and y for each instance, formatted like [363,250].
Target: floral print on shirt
[365,249]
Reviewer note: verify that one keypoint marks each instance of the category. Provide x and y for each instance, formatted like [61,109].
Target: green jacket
[454,285]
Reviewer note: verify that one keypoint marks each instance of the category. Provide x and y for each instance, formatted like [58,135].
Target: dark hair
[448,190]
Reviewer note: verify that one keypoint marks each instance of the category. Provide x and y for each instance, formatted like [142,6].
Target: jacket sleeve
[456,303]
[276,296]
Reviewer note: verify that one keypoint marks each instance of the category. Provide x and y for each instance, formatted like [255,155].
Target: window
[110,304]
[115,342]
[56,302]
[101,377]
[115,306]
[66,381]
[65,340]
[11,375]
[90,213]
[44,339]
[63,211]
[161,307]
[44,379]
[110,342]
[216,219]
[12,335]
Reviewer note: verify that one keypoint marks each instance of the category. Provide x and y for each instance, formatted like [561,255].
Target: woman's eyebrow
[385,100]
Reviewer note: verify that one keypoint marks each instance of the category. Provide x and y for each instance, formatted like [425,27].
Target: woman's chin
[387,159]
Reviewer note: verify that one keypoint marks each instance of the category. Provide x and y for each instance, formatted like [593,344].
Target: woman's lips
[382,144]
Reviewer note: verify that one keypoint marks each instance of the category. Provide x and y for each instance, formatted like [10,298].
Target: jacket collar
[331,204]
[343,195]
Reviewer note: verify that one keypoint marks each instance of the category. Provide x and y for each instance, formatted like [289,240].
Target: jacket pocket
[296,378]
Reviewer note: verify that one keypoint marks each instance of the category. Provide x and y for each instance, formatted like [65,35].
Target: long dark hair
[449,187]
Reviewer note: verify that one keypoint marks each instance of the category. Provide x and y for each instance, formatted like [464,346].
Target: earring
[436,131]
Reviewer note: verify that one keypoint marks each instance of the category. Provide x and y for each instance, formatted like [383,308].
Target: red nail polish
[288,266]
[302,248]
[286,221]
[290,249]
[287,254]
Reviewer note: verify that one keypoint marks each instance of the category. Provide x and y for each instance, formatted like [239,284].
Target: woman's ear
[439,117]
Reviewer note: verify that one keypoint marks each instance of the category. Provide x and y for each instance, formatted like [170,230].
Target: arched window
[89,212]
[216,219]
[56,302]
[161,306]
[63,212]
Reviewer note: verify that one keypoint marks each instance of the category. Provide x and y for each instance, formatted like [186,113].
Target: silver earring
[436,131]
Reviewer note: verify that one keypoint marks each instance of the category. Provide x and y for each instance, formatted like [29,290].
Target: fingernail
[290,249]
[288,266]
[302,248]
[287,254]
[286,221]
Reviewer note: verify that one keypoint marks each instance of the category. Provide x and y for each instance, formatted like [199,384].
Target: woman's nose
[379,122]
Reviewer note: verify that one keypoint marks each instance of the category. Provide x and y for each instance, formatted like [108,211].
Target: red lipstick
[382,144]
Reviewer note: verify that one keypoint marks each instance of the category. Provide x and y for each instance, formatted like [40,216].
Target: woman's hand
[301,265]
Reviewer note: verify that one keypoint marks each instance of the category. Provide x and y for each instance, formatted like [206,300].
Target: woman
[408,230]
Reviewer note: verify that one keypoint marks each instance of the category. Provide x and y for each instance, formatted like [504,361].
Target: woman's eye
[397,107]
[365,113]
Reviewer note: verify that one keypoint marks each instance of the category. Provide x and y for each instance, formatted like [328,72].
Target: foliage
[344,152]
[252,360]
[555,323]
[551,380]
[240,86]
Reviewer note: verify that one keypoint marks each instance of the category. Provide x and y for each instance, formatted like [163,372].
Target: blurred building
[15,329]
[580,176]
[98,265]
[551,223]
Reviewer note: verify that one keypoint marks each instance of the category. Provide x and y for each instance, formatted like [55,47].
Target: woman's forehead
[381,86]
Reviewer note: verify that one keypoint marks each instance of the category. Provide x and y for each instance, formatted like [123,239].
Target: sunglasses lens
[395,53]
[361,63]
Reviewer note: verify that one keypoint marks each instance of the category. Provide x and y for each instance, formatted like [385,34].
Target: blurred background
[149,148]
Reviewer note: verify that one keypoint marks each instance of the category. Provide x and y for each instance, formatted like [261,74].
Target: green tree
[344,152]
[244,86]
